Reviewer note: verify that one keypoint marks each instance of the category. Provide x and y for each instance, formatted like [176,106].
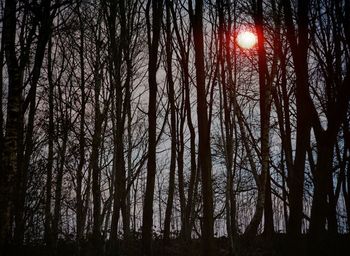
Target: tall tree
[183,39]
[171,98]
[227,117]
[336,77]
[50,158]
[45,16]
[80,216]
[298,41]
[13,121]
[153,34]
[118,43]
[203,129]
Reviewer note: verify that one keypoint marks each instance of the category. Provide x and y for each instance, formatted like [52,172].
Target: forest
[146,127]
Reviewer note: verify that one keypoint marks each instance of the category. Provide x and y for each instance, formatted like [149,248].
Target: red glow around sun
[246,39]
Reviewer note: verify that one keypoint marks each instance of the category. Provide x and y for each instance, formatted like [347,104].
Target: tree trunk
[58,189]
[99,117]
[265,109]
[171,98]
[80,201]
[227,131]
[1,104]
[186,207]
[268,212]
[298,42]
[117,48]
[332,205]
[203,130]
[346,193]
[13,121]
[127,110]
[320,206]
[50,160]
[154,26]
[94,165]
[24,160]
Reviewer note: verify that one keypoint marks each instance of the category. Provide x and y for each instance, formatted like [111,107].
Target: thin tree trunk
[203,130]
[154,26]
[332,205]
[117,49]
[49,166]
[171,98]
[265,107]
[226,130]
[44,35]
[80,201]
[127,110]
[1,103]
[268,212]
[186,207]
[59,180]
[94,163]
[299,52]
[346,194]
[338,96]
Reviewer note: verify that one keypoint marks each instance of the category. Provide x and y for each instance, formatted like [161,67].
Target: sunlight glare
[247,39]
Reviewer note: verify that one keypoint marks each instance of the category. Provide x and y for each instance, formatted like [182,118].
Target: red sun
[246,39]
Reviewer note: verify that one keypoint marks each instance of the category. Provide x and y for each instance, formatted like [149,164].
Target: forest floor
[278,245]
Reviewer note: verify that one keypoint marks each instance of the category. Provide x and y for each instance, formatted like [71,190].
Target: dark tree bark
[346,181]
[27,149]
[337,95]
[128,55]
[171,98]
[1,113]
[153,30]
[59,180]
[228,118]
[187,208]
[13,122]
[203,130]
[95,153]
[116,48]
[265,109]
[121,49]
[268,212]
[298,41]
[80,216]
[281,102]
[50,160]
[231,60]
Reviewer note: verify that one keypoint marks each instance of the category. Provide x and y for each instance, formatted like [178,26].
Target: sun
[246,39]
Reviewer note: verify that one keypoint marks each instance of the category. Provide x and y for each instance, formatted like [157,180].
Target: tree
[265,107]
[297,40]
[203,129]
[12,122]
[228,119]
[93,90]
[153,34]
[100,113]
[45,16]
[171,98]
[337,96]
